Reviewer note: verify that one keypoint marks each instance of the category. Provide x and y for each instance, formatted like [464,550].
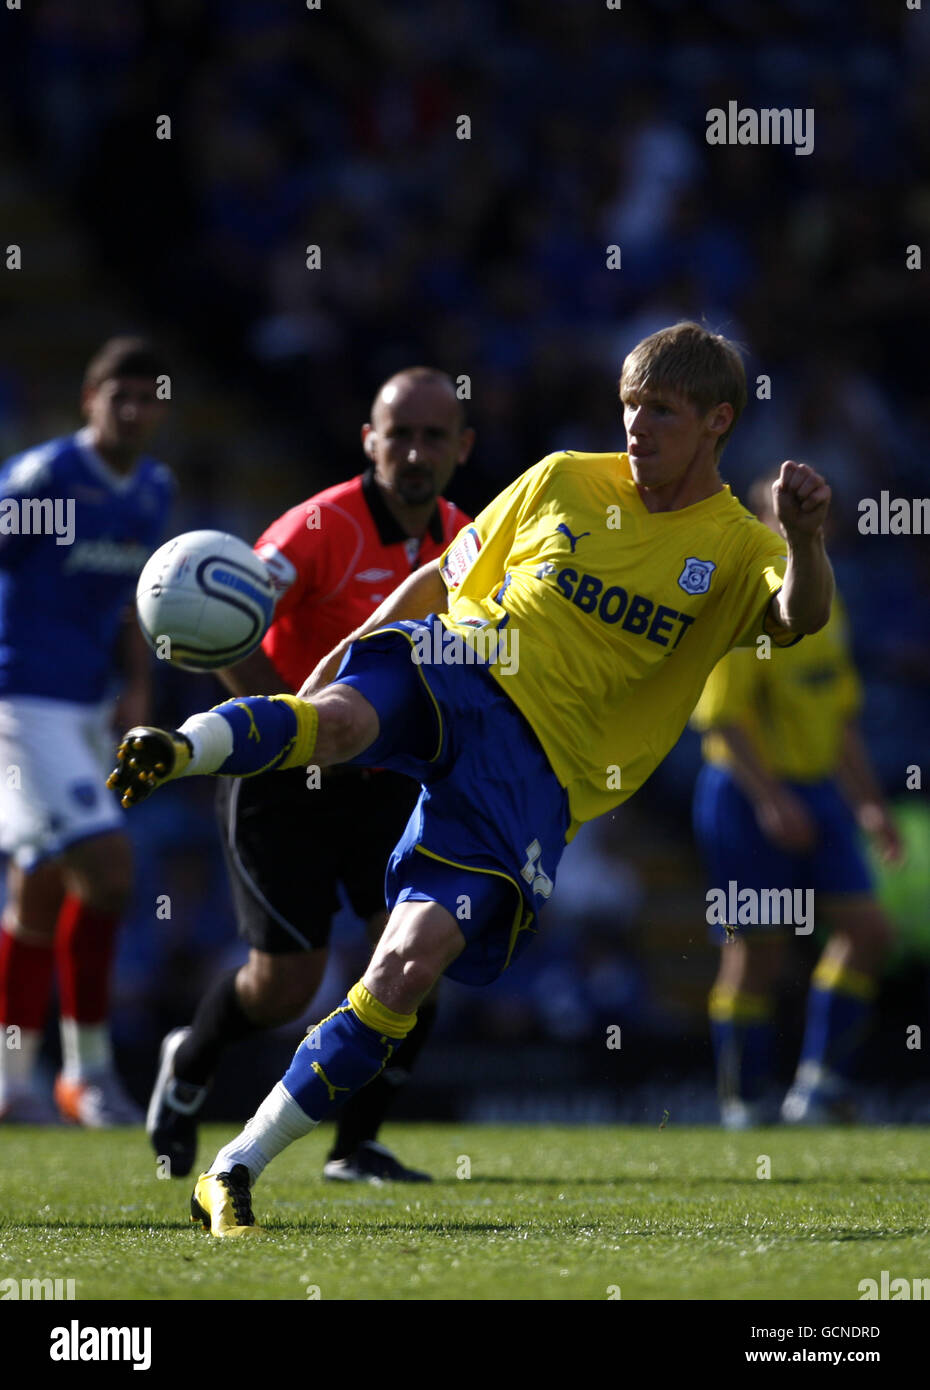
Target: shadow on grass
[628,1180]
[830,1237]
[409,1230]
[544,1230]
[452,1226]
[152,1224]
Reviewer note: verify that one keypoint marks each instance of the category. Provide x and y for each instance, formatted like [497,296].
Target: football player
[531,678]
[787,778]
[79,516]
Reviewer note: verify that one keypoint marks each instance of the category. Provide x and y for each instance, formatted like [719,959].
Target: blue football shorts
[733,846]
[486,835]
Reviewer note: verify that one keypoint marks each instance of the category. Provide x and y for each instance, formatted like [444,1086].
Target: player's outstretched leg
[146,759]
[338,1056]
[356,1155]
[242,737]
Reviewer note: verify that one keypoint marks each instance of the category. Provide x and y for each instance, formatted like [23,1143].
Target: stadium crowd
[488,256]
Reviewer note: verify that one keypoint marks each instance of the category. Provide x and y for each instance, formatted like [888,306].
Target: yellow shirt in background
[793,706]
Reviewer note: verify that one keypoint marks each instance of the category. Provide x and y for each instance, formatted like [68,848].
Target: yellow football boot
[146,758]
[221,1202]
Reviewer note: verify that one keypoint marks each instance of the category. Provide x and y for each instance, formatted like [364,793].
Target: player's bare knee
[348,724]
[420,974]
[420,941]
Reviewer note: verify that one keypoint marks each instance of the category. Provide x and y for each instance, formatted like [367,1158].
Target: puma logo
[253,727]
[572,540]
[315,1066]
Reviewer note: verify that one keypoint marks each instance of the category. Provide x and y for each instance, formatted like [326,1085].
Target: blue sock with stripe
[344,1052]
[743,1033]
[839,1012]
[251,734]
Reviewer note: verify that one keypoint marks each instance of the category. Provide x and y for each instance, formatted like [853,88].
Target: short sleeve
[763,564]
[485,543]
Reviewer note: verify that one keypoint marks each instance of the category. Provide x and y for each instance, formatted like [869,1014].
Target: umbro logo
[373,576]
[572,539]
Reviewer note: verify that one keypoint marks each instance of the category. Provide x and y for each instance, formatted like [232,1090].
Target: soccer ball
[204,600]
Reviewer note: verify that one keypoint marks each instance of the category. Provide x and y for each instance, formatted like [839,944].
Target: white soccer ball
[204,600]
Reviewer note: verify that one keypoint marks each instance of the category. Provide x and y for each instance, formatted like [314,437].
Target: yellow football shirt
[793,706]
[610,616]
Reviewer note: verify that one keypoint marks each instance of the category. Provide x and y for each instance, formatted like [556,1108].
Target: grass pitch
[547,1213]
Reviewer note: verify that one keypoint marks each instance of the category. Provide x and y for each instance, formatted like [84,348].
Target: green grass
[548,1213]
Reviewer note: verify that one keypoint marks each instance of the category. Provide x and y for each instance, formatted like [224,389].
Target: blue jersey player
[78,518]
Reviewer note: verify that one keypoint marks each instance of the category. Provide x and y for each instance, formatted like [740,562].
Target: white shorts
[54,760]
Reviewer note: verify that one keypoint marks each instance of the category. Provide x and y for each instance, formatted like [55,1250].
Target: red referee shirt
[333,559]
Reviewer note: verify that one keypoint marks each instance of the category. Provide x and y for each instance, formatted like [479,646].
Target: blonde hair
[704,367]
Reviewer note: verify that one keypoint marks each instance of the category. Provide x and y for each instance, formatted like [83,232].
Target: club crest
[695,577]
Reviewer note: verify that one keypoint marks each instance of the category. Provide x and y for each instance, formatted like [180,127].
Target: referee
[291,838]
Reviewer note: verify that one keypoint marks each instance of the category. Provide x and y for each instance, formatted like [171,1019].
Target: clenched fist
[801,499]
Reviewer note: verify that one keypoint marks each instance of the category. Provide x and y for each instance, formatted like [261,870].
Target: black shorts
[288,847]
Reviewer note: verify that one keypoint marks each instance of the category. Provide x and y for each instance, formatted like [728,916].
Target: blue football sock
[269,732]
[344,1052]
[839,1012]
[743,1034]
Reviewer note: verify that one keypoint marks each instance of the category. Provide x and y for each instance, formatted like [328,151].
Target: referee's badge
[695,577]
